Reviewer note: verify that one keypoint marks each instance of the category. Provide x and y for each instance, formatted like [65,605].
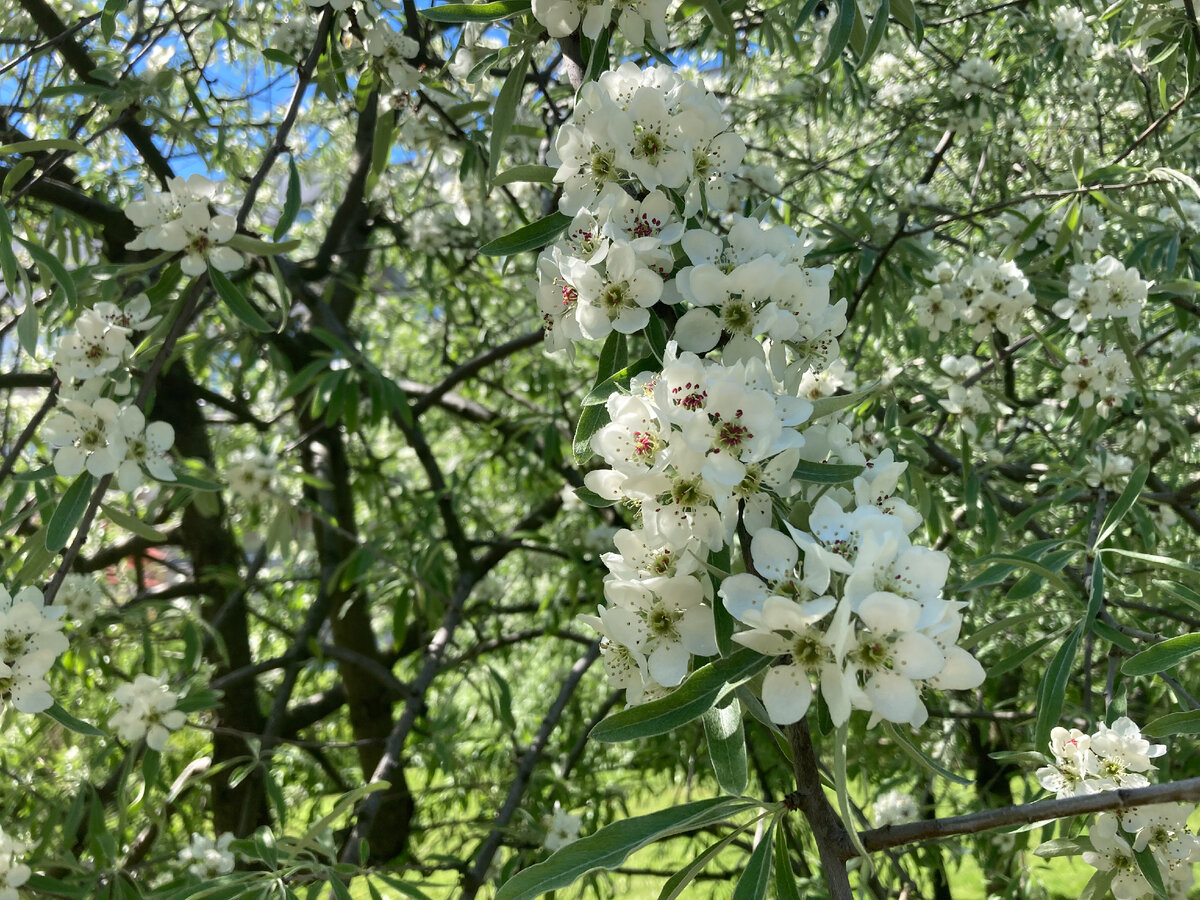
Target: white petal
[786,693]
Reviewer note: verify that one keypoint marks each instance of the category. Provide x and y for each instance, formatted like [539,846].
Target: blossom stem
[833,841]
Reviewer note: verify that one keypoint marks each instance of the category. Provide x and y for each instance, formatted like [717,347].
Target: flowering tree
[826,371]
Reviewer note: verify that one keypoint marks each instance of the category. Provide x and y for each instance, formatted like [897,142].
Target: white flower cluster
[393,49]
[147,710]
[1109,469]
[562,829]
[95,432]
[98,344]
[1189,222]
[965,397]
[1164,830]
[705,448]
[1089,229]
[31,639]
[1104,289]
[206,858]
[608,270]
[851,604]
[13,874]
[1098,376]
[180,219]
[1117,756]
[974,74]
[1071,28]
[644,129]
[751,282]
[991,295]
[249,475]
[563,17]
[81,597]
[895,808]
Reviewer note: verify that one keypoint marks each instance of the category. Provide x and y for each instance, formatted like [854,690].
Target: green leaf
[717,15]
[919,757]
[68,512]
[687,702]
[1016,659]
[1171,588]
[252,245]
[785,881]
[184,479]
[28,329]
[757,874]
[824,406]
[341,807]
[69,722]
[527,173]
[237,302]
[825,473]
[1005,625]
[10,269]
[1165,561]
[534,236]
[57,270]
[599,395]
[1129,496]
[43,145]
[906,14]
[1061,847]
[1186,722]
[381,147]
[16,173]
[505,113]
[614,357]
[275,55]
[1098,885]
[879,23]
[591,420]
[592,499]
[1052,691]
[680,880]
[454,13]
[1150,871]
[1021,562]
[1162,656]
[727,746]
[839,34]
[611,845]
[132,523]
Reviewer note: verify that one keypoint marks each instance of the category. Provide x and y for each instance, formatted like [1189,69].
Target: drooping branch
[1187,791]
